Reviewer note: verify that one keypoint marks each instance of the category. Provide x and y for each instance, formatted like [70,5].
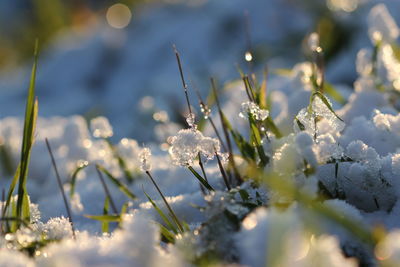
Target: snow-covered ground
[336,203]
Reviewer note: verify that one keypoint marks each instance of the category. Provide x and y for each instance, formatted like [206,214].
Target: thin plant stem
[178,59]
[61,186]
[221,169]
[225,130]
[105,187]
[202,167]
[166,203]
[3,197]
[249,89]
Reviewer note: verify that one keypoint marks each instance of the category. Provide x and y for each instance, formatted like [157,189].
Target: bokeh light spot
[118,16]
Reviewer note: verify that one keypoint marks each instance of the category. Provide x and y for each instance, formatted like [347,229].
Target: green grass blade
[31,112]
[270,124]
[325,101]
[330,90]
[124,210]
[201,179]
[105,225]
[74,176]
[104,218]
[162,214]
[166,234]
[11,190]
[123,188]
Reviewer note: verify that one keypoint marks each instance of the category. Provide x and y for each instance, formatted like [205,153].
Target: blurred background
[115,58]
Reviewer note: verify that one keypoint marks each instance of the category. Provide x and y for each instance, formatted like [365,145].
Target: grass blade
[123,188]
[162,214]
[105,225]
[31,112]
[105,218]
[201,179]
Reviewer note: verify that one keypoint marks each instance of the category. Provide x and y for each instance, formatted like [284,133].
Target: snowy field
[295,166]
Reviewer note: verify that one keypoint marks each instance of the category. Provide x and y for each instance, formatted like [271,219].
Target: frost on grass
[319,119]
[355,166]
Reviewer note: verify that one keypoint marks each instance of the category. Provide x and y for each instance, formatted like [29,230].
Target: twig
[61,187]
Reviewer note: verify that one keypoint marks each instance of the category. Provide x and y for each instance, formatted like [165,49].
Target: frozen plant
[319,112]
[252,109]
[144,156]
[101,128]
[187,145]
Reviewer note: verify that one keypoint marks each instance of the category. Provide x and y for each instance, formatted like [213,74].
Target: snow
[351,167]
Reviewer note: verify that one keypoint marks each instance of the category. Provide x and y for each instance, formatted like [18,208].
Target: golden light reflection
[250,222]
[118,16]
[248,56]
[383,252]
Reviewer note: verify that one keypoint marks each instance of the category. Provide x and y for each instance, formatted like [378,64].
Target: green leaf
[166,234]
[31,112]
[105,218]
[396,51]
[105,225]
[283,72]
[123,188]
[325,101]
[247,150]
[270,125]
[299,124]
[74,177]
[124,210]
[330,90]
[201,179]
[162,214]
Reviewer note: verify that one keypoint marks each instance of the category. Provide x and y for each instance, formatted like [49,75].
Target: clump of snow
[251,108]
[188,143]
[101,127]
[382,26]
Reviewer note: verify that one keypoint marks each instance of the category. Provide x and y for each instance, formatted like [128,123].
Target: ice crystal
[101,127]
[144,156]
[191,119]
[253,109]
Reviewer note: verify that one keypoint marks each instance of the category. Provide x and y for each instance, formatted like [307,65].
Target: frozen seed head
[188,143]
[252,108]
[382,26]
[145,160]
[101,127]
